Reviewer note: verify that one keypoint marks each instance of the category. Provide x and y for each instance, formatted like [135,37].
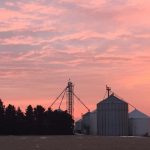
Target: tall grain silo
[112,117]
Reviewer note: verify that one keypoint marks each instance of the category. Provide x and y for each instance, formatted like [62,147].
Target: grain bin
[139,123]
[86,123]
[93,122]
[112,117]
[78,126]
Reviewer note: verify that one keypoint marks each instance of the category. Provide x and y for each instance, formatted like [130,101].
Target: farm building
[112,118]
[78,126]
[93,122]
[139,123]
[88,124]
[85,126]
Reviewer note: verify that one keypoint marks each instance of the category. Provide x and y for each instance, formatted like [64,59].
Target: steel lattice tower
[70,98]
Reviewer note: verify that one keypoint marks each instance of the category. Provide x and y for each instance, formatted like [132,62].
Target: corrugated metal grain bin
[93,122]
[112,117]
[86,123]
[139,123]
[78,126]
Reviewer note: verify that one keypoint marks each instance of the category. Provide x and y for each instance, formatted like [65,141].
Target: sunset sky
[43,43]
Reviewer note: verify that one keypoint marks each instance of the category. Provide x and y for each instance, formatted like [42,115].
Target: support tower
[68,92]
[70,98]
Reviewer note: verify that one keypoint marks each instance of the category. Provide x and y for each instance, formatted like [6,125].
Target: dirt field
[73,143]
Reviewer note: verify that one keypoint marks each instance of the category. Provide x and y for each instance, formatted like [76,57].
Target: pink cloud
[34,7]
[95,43]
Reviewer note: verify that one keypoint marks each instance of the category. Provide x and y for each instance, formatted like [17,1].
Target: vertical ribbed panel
[112,117]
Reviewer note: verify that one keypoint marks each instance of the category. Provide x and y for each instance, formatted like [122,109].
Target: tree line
[34,121]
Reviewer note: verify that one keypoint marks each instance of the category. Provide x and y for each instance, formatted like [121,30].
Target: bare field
[73,143]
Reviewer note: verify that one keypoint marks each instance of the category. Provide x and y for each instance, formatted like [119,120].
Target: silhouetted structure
[34,121]
[70,97]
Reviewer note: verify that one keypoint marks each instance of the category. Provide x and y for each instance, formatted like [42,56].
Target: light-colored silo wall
[86,123]
[78,126]
[139,126]
[93,123]
[112,118]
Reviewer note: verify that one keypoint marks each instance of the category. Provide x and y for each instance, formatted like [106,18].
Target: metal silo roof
[112,99]
[137,114]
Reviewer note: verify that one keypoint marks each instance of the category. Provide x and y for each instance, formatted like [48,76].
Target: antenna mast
[108,90]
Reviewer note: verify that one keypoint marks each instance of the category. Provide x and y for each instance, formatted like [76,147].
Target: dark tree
[64,123]
[29,113]
[34,121]
[20,121]
[2,110]
[19,114]
[30,120]
[49,122]
[10,119]
[39,113]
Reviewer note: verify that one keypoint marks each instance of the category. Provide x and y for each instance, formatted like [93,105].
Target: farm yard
[77,142]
